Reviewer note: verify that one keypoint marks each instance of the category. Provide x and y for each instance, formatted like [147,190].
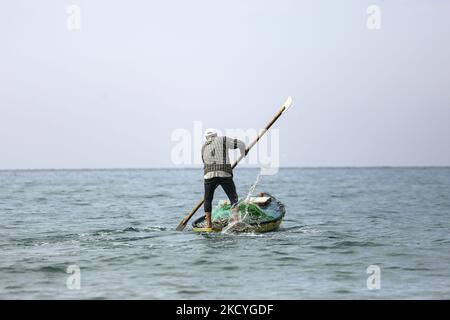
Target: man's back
[215,154]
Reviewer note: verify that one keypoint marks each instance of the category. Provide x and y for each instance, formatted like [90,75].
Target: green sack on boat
[251,212]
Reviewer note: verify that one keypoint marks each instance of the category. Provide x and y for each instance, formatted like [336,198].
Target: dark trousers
[227,185]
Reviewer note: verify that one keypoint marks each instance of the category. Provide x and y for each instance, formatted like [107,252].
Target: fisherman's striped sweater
[215,153]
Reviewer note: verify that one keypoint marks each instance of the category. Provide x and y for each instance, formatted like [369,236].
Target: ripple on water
[191,292]
[346,244]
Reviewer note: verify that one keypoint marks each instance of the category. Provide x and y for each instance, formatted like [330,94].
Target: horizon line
[250,167]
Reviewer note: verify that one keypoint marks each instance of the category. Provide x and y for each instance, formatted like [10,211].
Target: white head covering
[210,132]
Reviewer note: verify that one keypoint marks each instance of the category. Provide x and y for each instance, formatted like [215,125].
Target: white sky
[111,94]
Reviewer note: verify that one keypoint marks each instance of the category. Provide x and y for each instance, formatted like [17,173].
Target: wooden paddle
[285,106]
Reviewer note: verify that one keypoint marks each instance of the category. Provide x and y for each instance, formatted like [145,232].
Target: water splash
[252,188]
[249,194]
[238,222]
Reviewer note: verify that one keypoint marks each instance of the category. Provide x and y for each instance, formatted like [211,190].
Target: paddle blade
[287,103]
[181,226]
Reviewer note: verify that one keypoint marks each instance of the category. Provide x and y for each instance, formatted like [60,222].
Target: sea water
[348,233]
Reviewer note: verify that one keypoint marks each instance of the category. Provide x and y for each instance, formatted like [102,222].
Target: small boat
[260,214]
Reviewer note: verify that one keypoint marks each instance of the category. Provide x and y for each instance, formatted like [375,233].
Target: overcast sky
[111,94]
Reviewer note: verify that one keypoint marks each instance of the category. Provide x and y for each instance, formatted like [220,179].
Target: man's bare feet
[235,214]
[208,220]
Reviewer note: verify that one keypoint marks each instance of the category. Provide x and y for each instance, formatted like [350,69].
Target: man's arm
[235,144]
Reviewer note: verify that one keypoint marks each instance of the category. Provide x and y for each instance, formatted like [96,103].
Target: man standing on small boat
[217,168]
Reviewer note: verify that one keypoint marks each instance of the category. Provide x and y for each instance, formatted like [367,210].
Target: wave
[347,243]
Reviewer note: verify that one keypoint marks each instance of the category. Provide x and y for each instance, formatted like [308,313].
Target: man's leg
[230,190]
[210,186]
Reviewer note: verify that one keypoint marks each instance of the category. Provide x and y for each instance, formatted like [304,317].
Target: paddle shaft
[242,156]
[183,223]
